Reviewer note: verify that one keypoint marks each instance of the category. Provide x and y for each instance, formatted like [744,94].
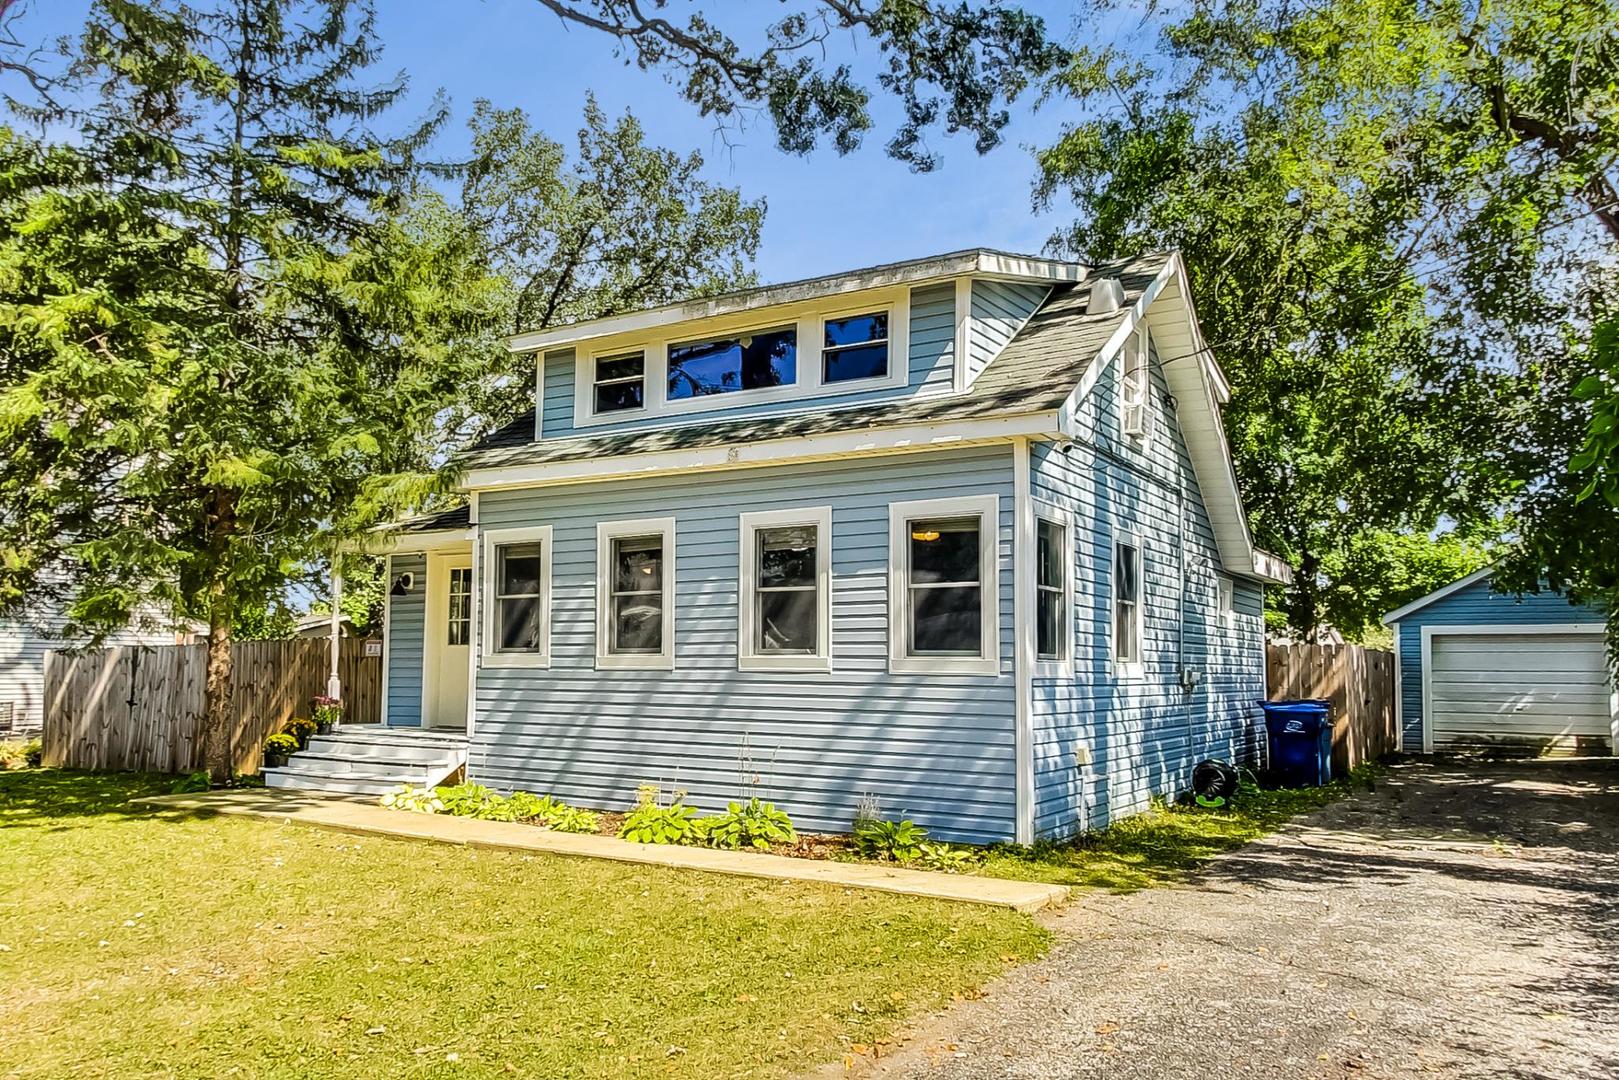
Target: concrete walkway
[355,815]
[1462,921]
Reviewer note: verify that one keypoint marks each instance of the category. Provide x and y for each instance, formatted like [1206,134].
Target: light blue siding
[1474,605]
[931,364]
[406,616]
[999,310]
[938,748]
[1143,732]
[556,417]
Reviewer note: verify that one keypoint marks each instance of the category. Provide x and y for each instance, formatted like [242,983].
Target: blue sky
[825,213]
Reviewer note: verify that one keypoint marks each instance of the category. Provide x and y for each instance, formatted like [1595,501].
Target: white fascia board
[1438,594]
[916,272]
[865,442]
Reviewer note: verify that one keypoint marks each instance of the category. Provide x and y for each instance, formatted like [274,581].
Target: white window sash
[606,533]
[1133,665]
[1061,664]
[900,588]
[489,655]
[749,656]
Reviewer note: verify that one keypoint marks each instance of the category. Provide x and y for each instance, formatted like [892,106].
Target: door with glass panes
[449,652]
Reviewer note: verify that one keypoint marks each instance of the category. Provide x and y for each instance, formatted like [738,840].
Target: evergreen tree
[225,312]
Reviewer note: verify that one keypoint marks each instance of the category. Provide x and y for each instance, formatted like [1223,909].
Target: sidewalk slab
[360,816]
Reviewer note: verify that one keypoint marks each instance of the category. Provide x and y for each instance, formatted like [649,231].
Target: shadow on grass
[1165,844]
[65,798]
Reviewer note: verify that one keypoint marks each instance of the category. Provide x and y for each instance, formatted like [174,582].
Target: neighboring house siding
[1473,605]
[999,310]
[931,364]
[1143,732]
[23,645]
[937,748]
[406,618]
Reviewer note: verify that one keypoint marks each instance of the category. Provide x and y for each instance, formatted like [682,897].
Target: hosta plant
[415,800]
[650,823]
[755,824]
[471,800]
[948,857]
[900,841]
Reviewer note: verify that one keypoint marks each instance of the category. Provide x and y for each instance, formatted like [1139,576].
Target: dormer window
[620,382]
[856,348]
[753,361]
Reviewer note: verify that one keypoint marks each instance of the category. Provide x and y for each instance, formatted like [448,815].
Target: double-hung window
[620,383]
[1053,592]
[943,586]
[1127,619]
[856,347]
[635,594]
[517,581]
[785,590]
[1135,384]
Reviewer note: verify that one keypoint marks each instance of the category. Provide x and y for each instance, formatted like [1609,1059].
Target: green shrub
[560,817]
[948,857]
[281,744]
[472,800]
[16,755]
[900,841]
[415,800]
[650,823]
[754,824]
[189,784]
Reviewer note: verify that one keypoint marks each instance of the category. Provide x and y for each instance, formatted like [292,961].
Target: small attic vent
[1107,294]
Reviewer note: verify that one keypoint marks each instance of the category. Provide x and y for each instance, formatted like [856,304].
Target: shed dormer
[923,328]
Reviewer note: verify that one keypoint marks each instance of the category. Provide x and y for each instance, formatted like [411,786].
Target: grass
[144,943]
[1165,844]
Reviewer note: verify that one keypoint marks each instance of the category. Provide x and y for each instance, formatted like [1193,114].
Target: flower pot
[275,761]
[323,727]
[303,740]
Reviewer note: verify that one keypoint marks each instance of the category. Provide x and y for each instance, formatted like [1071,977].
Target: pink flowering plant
[328,711]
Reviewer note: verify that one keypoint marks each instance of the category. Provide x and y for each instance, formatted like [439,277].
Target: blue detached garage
[1482,668]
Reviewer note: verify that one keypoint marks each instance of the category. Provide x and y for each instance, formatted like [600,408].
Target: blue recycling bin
[1300,741]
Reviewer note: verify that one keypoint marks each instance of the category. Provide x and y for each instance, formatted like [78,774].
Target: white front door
[449,640]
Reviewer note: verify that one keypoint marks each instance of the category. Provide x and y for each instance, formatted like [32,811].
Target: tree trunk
[217,757]
[217,720]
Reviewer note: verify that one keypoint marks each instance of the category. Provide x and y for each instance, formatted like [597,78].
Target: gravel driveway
[1460,921]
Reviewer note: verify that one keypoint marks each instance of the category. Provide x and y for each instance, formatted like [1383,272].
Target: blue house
[957,537]
[1483,668]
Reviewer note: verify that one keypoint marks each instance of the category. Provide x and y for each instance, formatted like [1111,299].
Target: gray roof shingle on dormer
[1036,372]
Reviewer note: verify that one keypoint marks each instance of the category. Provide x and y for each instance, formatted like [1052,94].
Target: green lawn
[1163,845]
[138,943]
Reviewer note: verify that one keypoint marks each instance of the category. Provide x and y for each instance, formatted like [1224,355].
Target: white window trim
[1225,597]
[900,514]
[747,657]
[808,320]
[588,371]
[1142,343]
[1063,665]
[899,351]
[484,653]
[606,532]
[1127,669]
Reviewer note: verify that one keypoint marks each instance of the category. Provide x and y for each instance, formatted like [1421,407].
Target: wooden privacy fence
[1359,682]
[140,707]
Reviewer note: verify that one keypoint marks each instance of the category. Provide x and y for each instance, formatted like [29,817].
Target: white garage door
[1535,686]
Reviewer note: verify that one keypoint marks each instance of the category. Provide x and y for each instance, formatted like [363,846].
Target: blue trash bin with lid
[1300,740]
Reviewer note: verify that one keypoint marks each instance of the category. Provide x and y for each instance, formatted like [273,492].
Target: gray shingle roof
[1036,372]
